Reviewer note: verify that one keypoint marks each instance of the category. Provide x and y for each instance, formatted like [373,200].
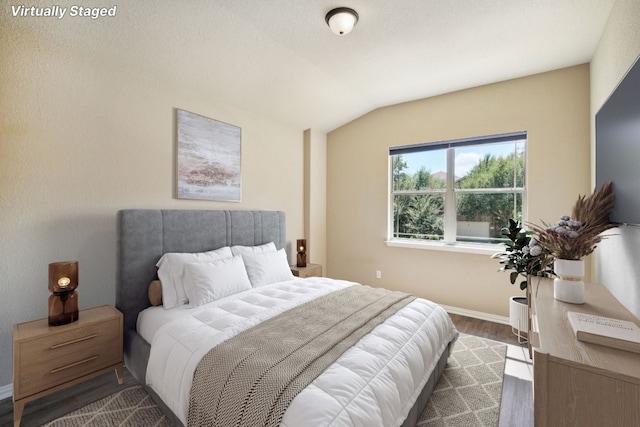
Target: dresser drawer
[63,355]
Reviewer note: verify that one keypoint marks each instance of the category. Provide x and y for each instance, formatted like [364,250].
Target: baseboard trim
[6,391]
[476,314]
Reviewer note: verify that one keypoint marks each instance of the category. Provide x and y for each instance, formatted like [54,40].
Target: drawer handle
[88,337]
[71,365]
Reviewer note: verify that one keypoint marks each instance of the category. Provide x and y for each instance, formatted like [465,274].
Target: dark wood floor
[51,407]
[57,404]
[482,328]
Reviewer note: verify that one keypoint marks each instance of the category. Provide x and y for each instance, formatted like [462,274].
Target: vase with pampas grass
[574,237]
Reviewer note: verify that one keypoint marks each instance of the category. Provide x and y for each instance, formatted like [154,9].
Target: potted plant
[572,238]
[525,258]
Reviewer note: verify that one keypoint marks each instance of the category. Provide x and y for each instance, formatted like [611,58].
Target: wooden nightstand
[310,270]
[50,358]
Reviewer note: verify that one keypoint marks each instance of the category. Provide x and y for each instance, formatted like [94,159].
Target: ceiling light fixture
[341,20]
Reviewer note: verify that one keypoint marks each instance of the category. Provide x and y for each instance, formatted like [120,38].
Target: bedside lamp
[63,303]
[301,245]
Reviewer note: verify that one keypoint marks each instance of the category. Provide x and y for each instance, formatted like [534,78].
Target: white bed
[383,380]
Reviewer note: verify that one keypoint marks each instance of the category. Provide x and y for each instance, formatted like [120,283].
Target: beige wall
[552,107]
[80,140]
[315,192]
[617,257]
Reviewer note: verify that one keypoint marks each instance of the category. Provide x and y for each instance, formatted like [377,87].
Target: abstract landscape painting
[208,158]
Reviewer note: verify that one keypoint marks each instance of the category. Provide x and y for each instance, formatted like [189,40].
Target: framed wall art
[208,158]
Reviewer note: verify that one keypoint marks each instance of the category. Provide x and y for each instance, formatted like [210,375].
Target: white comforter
[375,383]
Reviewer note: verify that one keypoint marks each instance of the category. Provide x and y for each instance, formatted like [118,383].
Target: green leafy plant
[523,255]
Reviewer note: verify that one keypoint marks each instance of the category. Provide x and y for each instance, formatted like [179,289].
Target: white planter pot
[519,317]
[568,286]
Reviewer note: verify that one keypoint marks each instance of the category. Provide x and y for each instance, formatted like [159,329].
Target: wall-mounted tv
[618,147]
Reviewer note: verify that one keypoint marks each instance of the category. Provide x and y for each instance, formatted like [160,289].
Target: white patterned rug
[467,395]
[469,391]
[129,407]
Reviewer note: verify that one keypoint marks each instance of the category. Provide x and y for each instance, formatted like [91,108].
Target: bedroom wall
[617,257]
[552,107]
[315,196]
[80,140]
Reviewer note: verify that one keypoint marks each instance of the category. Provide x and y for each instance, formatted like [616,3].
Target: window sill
[469,248]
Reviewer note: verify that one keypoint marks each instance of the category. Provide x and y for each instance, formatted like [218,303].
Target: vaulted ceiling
[278,58]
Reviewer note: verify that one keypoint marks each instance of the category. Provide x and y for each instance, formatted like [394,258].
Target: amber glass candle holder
[63,302]
[301,245]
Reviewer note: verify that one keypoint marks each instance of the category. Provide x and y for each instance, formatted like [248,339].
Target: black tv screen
[618,147]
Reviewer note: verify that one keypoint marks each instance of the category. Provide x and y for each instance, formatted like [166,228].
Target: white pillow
[170,270]
[267,267]
[242,250]
[210,281]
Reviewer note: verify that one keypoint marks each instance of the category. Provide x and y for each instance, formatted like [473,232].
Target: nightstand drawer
[65,353]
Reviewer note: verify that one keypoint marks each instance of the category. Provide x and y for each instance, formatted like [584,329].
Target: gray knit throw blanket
[250,379]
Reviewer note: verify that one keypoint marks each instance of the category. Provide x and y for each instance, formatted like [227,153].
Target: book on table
[616,333]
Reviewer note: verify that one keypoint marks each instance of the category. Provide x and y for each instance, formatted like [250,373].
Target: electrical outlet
[378,274]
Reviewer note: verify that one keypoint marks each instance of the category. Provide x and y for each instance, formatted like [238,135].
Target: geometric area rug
[467,395]
[131,406]
[470,388]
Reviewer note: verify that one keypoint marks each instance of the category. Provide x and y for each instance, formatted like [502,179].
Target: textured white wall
[617,257]
[80,140]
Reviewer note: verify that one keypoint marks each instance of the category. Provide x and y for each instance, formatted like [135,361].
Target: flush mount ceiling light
[341,20]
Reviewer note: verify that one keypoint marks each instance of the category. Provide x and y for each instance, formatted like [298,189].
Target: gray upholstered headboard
[144,235]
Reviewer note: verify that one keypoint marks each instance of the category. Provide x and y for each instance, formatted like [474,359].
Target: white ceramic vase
[568,285]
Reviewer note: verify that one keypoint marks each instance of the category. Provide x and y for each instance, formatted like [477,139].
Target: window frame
[449,242]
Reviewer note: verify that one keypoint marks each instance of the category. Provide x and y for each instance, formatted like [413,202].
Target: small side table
[311,270]
[50,358]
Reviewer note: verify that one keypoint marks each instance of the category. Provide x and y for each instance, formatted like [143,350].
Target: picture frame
[208,158]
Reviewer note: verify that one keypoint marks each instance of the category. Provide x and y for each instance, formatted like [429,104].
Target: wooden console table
[577,383]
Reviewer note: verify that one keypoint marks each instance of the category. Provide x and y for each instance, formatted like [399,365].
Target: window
[461,191]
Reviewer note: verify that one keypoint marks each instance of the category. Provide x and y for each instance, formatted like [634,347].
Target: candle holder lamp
[63,302]
[302,253]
